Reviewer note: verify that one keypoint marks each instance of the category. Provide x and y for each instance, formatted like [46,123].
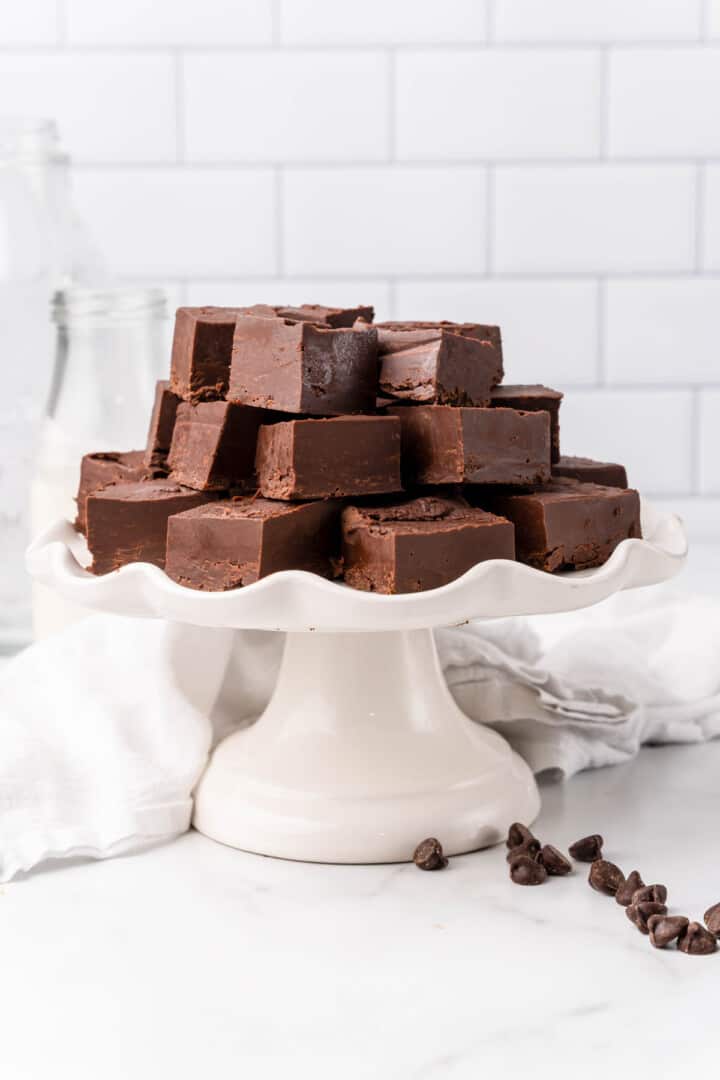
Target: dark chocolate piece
[527,871]
[591,472]
[213,446]
[638,914]
[518,834]
[533,399]
[626,892]
[98,471]
[567,525]
[666,928]
[444,368]
[588,848]
[418,544]
[605,877]
[651,894]
[201,351]
[446,445]
[299,367]
[554,861]
[696,940]
[162,424]
[128,522]
[335,317]
[428,855]
[530,847]
[233,542]
[712,918]
[424,331]
[318,459]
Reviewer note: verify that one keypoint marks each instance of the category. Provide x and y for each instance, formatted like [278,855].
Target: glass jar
[111,349]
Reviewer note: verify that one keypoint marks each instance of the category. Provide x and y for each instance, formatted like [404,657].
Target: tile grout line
[179,92]
[655,45]
[601,344]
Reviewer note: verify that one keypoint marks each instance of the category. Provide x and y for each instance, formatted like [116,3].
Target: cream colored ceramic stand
[362,750]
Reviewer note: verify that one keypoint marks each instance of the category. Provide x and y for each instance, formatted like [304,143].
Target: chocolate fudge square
[419,543]
[533,399]
[234,542]
[299,367]
[319,459]
[444,369]
[426,331]
[446,445]
[606,473]
[213,446]
[128,522]
[162,425]
[201,351]
[98,471]
[568,525]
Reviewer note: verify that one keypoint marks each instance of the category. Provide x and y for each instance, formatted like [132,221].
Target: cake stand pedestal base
[361,753]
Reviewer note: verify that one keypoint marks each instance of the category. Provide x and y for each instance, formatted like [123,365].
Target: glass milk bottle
[111,348]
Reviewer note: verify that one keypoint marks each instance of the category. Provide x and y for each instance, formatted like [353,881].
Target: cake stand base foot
[361,753]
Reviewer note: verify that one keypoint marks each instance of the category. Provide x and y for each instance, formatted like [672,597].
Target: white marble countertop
[194,960]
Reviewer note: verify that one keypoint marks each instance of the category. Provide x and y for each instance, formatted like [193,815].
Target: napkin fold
[106,728]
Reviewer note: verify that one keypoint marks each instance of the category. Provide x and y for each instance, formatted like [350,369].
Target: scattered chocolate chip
[588,849]
[696,940]
[665,928]
[518,835]
[655,893]
[605,877]
[632,883]
[554,861]
[526,871]
[429,855]
[529,847]
[640,913]
[712,919]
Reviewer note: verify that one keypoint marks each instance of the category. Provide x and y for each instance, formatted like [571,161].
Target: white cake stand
[362,750]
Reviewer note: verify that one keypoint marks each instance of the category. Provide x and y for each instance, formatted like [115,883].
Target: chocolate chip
[666,928]
[625,893]
[640,913]
[605,877]
[554,861]
[697,941]
[526,871]
[429,855]
[518,835]
[654,893]
[588,849]
[712,919]
[529,847]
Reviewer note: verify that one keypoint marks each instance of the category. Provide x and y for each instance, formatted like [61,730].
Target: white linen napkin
[106,728]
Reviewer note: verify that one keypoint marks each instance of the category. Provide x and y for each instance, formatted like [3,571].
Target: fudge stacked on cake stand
[389,456]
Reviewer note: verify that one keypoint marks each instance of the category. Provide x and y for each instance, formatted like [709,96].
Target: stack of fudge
[389,455]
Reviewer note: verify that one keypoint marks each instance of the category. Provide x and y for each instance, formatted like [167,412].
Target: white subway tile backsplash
[710,239]
[597,20]
[382,22]
[663,331]
[286,106]
[710,442]
[169,22]
[179,222]
[118,107]
[328,291]
[649,431]
[549,328]
[713,18]
[378,221]
[32,22]
[664,102]
[497,103]
[594,218]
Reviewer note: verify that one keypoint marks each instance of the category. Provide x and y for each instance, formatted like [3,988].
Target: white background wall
[552,165]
